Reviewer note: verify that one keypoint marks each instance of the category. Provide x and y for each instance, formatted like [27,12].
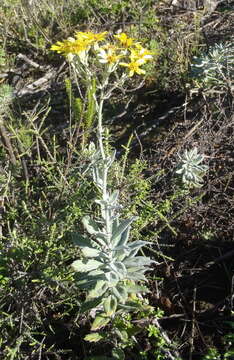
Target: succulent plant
[216,67]
[190,168]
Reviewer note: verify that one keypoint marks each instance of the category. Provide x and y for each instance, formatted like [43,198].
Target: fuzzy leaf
[138,261]
[110,305]
[99,322]
[114,197]
[136,289]
[94,337]
[136,276]
[80,240]
[90,225]
[90,252]
[120,293]
[124,224]
[88,283]
[99,289]
[90,304]
[112,278]
[86,265]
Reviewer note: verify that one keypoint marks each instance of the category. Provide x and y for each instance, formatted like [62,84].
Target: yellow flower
[62,47]
[107,54]
[125,41]
[70,46]
[133,67]
[90,37]
[140,54]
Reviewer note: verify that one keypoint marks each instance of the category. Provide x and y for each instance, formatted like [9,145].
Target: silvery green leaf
[111,159]
[90,225]
[100,321]
[123,239]
[120,293]
[90,252]
[94,337]
[190,168]
[102,238]
[120,268]
[127,307]
[180,170]
[81,240]
[115,225]
[121,254]
[136,288]
[98,176]
[99,289]
[136,276]
[86,265]
[91,275]
[110,305]
[121,228]
[132,306]
[89,282]
[101,202]
[86,284]
[90,304]
[112,278]
[138,261]
[135,246]
[114,197]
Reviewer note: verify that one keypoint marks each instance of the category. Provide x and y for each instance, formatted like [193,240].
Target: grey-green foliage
[190,168]
[6,96]
[215,67]
[110,268]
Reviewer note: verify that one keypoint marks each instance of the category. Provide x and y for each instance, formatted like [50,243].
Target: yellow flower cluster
[111,54]
[82,42]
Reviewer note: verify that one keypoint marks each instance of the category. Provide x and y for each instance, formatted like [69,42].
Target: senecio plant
[190,168]
[110,270]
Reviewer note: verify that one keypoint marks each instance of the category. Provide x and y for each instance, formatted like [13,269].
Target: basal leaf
[99,289]
[112,277]
[100,321]
[86,265]
[90,225]
[94,337]
[90,304]
[120,293]
[90,252]
[110,305]
[80,240]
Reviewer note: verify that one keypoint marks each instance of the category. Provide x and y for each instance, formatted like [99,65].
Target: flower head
[90,37]
[140,54]
[134,67]
[70,46]
[124,40]
[107,54]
